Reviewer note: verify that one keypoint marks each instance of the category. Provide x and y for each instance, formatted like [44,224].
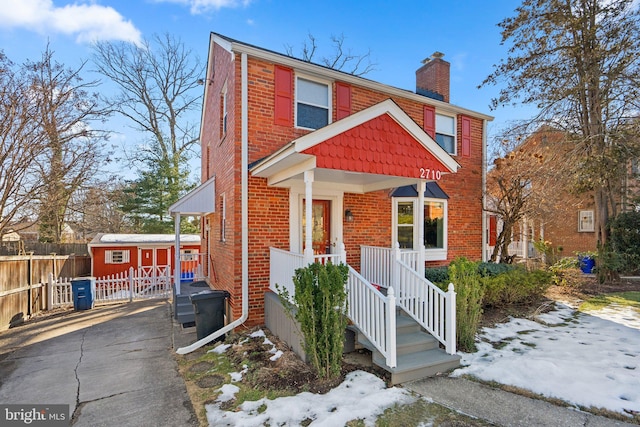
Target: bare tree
[21,141]
[578,61]
[158,83]
[98,209]
[67,113]
[342,58]
[524,183]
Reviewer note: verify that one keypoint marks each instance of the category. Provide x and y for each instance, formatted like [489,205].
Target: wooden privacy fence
[23,280]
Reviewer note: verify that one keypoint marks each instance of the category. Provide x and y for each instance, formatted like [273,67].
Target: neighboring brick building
[565,218]
[277,131]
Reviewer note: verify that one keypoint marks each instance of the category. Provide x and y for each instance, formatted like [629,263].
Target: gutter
[245,219]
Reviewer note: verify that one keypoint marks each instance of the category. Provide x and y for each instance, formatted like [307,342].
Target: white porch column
[422,187]
[308,215]
[176,264]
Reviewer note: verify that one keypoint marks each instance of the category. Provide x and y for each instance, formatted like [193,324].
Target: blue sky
[399,34]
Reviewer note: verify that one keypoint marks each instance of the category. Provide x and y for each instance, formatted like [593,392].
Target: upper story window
[312,103]
[223,111]
[446,133]
[585,221]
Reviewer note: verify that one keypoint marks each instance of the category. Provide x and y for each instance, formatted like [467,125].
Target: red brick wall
[269,207]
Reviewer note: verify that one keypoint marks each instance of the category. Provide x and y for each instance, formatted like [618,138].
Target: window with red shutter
[283,104]
[343,100]
[430,121]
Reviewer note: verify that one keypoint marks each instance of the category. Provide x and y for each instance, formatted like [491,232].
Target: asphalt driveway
[113,365]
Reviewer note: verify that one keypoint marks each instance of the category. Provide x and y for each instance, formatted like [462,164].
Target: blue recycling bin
[587,263]
[84,291]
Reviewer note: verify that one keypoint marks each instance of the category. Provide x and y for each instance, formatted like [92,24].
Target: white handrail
[374,314]
[431,307]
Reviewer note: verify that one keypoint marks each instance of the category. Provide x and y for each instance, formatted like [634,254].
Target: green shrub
[464,275]
[624,240]
[516,286]
[566,272]
[437,275]
[321,302]
[487,269]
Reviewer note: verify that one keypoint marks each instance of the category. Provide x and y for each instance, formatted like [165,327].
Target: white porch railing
[427,304]
[376,263]
[283,265]
[191,266]
[374,314]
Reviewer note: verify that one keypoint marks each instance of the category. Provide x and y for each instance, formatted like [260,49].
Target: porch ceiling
[377,148]
[199,201]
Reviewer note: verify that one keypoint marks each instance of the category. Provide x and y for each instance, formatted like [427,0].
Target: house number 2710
[426,173]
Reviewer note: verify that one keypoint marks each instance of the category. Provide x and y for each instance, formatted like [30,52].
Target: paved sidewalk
[503,408]
[114,366]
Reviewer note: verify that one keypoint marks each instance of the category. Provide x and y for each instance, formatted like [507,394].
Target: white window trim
[455,132]
[329,86]
[224,110]
[434,254]
[108,256]
[587,229]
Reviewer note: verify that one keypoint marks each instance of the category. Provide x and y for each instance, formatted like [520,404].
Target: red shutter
[343,100]
[283,105]
[430,121]
[466,136]
[493,229]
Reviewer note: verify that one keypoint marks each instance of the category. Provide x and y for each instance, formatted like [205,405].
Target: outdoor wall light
[348,216]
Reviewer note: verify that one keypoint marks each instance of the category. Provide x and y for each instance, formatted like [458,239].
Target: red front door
[321,235]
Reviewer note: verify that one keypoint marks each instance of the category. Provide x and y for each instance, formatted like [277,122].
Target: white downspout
[485,241]
[176,257]
[244,197]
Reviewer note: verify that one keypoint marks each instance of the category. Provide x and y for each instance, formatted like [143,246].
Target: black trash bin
[84,291]
[209,307]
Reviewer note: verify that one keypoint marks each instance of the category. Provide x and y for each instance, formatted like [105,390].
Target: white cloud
[203,6]
[87,22]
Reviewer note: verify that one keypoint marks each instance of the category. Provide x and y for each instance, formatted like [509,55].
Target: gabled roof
[237,46]
[376,148]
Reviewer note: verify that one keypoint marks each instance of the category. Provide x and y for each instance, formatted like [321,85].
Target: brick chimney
[432,79]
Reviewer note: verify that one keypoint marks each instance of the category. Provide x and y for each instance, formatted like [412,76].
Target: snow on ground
[591,360]
[361,395]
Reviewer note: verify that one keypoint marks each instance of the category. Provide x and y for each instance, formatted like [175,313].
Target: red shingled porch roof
[377,146]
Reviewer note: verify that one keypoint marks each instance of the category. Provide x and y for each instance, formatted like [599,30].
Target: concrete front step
[418,353]
[418,365]
[184,309]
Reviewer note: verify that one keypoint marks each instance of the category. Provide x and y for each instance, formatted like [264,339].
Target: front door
[321,211]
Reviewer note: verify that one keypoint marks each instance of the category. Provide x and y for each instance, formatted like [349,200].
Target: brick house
[392,175]
[567,220]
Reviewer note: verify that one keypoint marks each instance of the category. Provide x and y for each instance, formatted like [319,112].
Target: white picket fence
[125,286]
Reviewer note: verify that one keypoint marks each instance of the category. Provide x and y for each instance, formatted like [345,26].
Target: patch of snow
[360,396]
[219,349]
[591,360]
[228,392]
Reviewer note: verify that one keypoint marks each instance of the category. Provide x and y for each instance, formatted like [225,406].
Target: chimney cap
[434,55]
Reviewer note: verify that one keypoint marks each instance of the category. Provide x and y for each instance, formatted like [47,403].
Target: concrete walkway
[113,365]
[503,408]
